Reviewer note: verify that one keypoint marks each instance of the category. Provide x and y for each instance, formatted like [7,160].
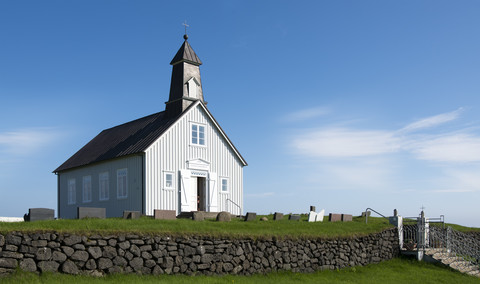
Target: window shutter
[213,192]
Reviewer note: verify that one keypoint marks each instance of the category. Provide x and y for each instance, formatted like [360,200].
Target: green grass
[183,227]
[399,270]
[462,228]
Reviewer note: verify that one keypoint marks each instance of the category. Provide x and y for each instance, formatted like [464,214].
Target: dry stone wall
[99,255]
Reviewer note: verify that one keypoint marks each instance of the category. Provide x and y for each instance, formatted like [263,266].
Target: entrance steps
[453,261]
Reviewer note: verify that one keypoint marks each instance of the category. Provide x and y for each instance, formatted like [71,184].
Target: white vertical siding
[114,206]
[171,152]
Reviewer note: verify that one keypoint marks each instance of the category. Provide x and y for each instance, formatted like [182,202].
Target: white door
[188,191]
[212,192]
[193,194]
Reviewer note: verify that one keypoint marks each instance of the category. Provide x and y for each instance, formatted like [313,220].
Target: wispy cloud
[337,142]
[460,146]
[432,121]
[26,141]
[306,114]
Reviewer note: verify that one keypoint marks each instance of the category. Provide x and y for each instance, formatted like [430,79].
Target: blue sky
[339,104]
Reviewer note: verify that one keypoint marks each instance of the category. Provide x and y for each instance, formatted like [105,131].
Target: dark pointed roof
[130,138]
[186,53]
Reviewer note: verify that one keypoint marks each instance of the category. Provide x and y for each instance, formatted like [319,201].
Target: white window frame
[122,193]
[103,186]
[197,136]
[165,186]
[222,179]
[71,192]
[87,189]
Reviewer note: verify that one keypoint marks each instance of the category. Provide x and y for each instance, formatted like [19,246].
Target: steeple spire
[186,84]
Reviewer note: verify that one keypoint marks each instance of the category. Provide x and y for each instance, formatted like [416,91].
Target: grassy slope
[398,270]
[182,227]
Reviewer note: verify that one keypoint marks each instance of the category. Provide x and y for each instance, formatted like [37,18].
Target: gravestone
[334,217]
[91,212]
[312,216]
[366,213]
[294,217]
[251,216]
[198,216]
[224,217]
[277,216]
[320,216]
[37,214]
[346,217]
[131,214]
[164,214]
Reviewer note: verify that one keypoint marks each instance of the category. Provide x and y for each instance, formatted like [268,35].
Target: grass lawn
[399,270]
[237,228]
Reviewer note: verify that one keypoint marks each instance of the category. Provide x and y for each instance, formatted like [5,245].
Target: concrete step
[450,260]
[474,273]
[442,255]
[462,265]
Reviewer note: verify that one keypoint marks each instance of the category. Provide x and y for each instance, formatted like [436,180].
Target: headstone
[332,217]
[37,214]
[294,217]
[320,216]
[366,213]
[312,216]
[312,208]
[224,217]
[164,214]
[346,217]
[198,216]
[277,216]
[264,219]
[131,214]
[251,216]
[91,212]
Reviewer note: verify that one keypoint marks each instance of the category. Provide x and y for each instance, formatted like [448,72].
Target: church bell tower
[186,84]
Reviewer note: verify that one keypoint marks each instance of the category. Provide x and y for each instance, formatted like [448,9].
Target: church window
[168,180]
[103,185]
[87,189]
[198,134]
[224,184]
[122,184]
[71,191]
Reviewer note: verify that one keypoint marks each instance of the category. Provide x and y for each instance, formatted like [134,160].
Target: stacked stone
[99,255]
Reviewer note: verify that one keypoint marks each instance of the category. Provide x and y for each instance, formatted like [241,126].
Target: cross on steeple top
[185,24]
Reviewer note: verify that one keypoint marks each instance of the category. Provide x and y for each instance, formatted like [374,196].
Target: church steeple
[186,84]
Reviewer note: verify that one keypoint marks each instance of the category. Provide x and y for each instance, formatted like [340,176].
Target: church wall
[171,152]
[114,206]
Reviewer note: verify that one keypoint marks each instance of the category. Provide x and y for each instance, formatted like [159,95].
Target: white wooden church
[178,159]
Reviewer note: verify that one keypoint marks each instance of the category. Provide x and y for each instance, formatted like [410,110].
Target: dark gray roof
[186,53]
[126,139]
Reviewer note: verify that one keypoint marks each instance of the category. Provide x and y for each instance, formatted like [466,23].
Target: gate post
[397,221]
[421,235]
